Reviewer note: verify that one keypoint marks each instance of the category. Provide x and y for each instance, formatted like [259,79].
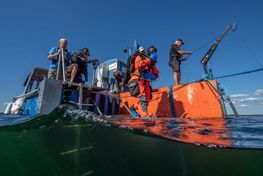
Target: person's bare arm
[51,56]
[184,52]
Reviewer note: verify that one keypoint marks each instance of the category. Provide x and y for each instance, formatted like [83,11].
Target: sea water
[72,142]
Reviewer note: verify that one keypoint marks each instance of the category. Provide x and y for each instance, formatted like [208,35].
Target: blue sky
[30,28]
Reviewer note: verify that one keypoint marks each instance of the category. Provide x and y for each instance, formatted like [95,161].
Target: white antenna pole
[134,45]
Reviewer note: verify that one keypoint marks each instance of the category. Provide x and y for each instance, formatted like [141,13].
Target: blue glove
[149,76]
[153,56]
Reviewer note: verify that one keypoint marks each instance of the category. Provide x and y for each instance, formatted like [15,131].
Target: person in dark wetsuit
[176,57]
[81,58]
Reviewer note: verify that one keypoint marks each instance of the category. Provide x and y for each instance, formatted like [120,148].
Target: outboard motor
[17,106]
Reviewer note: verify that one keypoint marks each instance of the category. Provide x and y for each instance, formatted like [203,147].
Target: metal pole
[227,98]
[212,49]
[58,69]
[232,106]
[93,75]
[63,65]
[28,81]
[80,95]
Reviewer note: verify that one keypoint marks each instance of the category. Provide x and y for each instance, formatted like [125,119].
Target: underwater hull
[92,149]
[193,100]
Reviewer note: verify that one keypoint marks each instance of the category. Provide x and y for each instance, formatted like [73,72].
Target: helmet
[141,49]
[151,49]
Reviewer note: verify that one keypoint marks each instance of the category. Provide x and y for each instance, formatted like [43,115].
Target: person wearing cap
[176,57]
[54,54]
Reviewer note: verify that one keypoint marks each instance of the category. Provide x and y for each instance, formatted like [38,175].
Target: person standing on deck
[54,54]
[145,71]
[176,57]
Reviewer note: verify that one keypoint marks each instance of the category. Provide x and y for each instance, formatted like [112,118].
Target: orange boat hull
[193,100]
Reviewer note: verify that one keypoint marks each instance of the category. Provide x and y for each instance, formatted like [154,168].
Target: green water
[93,149]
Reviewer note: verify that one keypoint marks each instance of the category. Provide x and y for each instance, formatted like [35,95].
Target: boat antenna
[131,50]
[210,52]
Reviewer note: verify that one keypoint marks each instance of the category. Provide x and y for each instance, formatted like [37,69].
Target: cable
[249,50]
[240,73]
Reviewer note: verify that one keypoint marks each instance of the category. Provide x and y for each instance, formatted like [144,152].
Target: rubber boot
[142,109]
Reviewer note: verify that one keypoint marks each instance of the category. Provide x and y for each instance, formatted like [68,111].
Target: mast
[211,51]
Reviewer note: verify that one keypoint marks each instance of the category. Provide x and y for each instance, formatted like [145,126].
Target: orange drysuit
[144,96]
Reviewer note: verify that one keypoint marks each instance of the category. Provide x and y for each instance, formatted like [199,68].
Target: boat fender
[98,102]
[115,106]
[8,108]
[107,105]
[17,106]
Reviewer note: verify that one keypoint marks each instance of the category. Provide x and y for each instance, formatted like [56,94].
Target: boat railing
[29,94]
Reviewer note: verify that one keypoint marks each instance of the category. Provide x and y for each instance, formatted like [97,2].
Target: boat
[204,98]
[34,128]
[42,95]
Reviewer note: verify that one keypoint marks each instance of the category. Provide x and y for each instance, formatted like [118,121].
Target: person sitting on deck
[81,58]
[143,73]
[54,54]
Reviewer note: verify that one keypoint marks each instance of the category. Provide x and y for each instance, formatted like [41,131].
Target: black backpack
[130,66]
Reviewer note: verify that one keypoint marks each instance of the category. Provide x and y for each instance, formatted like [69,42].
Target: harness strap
[170,91]
[133,74]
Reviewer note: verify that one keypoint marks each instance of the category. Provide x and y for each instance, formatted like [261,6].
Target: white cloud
[238,95]
[259,92]
[243,105]
[250,100]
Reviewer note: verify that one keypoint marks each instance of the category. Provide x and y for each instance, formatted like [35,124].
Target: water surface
[72,142]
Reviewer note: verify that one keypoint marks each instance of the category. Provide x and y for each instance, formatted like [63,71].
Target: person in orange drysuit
[145,71]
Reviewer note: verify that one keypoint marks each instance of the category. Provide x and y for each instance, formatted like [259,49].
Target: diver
[130,64]
[143,72]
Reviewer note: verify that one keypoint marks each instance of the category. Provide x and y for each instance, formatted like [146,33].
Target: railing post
[63,65]
[80,95]
[58,69]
